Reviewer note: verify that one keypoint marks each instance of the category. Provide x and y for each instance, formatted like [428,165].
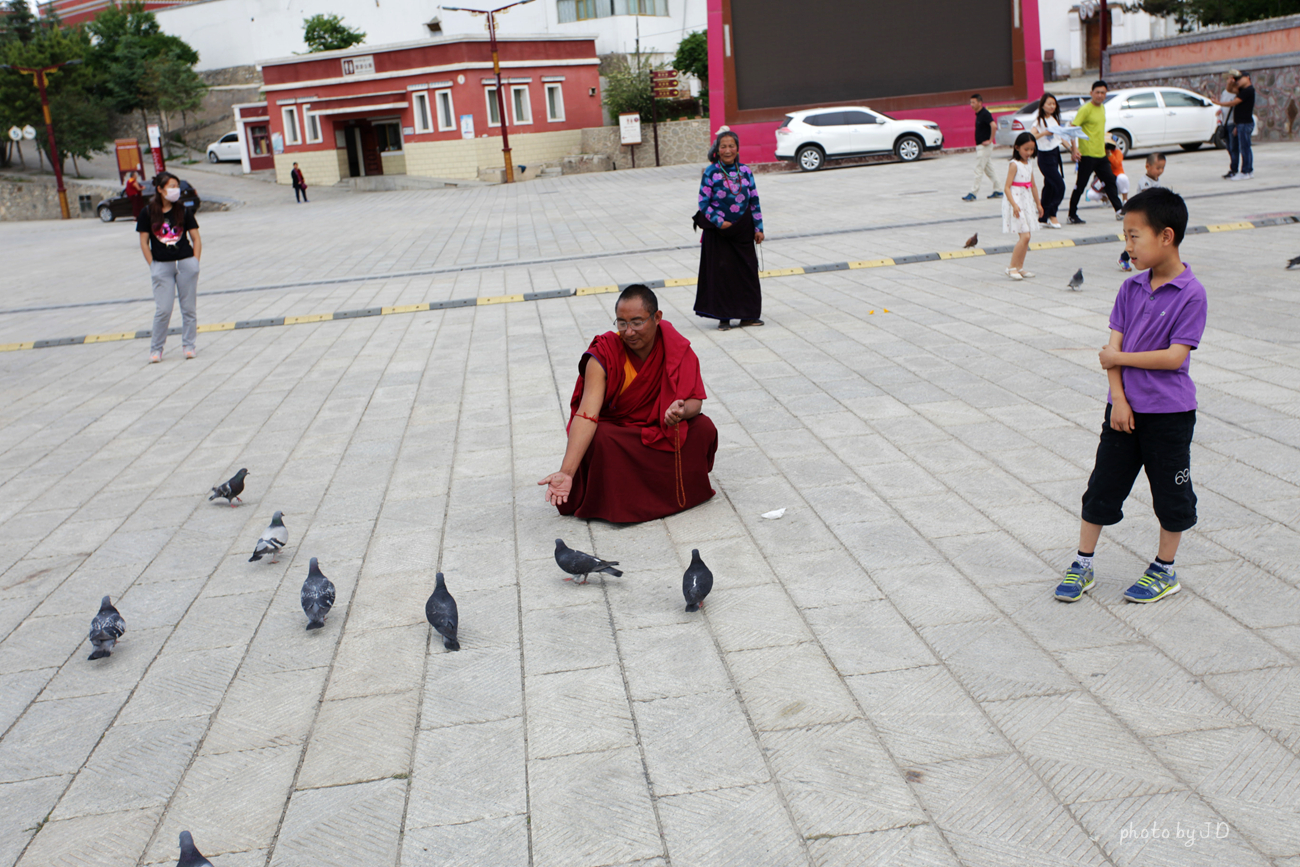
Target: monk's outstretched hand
[558,486]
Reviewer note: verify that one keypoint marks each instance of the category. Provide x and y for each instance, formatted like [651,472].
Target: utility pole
[496,69]
[39,75]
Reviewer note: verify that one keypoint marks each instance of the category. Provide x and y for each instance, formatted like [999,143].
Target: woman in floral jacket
[732,222]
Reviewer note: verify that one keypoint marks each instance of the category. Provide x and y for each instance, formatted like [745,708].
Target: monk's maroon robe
[630,471]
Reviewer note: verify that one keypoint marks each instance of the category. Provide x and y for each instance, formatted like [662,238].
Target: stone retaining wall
[38,198]
[680,142]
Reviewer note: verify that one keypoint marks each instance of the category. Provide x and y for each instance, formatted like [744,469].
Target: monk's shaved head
[639,292]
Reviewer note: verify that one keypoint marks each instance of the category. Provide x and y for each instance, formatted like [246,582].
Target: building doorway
[1092,40]
[363,150]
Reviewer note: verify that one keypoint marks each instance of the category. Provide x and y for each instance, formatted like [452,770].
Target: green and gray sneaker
[1078,581]
[1156,583]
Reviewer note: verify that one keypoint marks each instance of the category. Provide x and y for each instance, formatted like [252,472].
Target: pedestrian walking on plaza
[134,194]
[983,149]
[1091,118]
[1049,158]
[169,240]
[1243,119]
[1227,131]
[1021,201]
[732,221]
[299,184]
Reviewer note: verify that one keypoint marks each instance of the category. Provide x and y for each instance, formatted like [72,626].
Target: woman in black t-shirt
[169,240]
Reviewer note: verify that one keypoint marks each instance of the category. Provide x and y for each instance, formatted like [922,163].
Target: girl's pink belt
[1018,184]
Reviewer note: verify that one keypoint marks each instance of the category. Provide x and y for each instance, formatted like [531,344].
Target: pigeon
[697,582]
[273,539]
[972,241]
[106,629]
[317,596]
[577,563]
[230,489]
[441,613]
[1294,263]
[190,856]
[1077,280]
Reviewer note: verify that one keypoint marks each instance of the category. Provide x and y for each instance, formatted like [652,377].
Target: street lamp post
[38,75]
[496,69]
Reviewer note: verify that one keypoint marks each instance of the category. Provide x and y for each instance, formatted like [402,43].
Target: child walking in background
[1097,190]
[1154,169]
[1157,320]
[1021,206]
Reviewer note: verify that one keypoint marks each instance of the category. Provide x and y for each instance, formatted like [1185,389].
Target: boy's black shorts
[1161,443]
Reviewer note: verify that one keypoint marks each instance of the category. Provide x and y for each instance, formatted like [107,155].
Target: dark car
[120,205]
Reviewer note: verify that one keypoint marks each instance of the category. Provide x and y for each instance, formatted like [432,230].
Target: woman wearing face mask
[729,214]
[169,240]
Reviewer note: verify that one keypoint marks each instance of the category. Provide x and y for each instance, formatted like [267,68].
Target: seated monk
[639,449]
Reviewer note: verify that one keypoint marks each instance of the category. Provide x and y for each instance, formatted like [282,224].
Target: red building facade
[429,108]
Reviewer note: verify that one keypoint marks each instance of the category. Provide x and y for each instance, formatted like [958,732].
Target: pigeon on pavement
[272,540]
[190,856]
[577,563]
[1294,263]
[105,629]
[230,489]
[697,582]
[1077,280]
[972,241]
[441,613]
[317,596]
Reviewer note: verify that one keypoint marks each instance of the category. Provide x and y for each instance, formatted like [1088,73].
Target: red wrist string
[587,417]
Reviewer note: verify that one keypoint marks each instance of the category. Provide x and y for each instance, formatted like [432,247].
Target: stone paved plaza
[881,676]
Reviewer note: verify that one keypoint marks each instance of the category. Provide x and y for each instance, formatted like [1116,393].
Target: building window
[446,112]
[583,10]
[520,106]
[260,139]
[389,135]
[494,115]
[554,102]
[313,125]
[423,117]
[291,134]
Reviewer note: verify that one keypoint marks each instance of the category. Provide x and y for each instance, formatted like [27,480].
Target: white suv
[811,137]
[1138,117]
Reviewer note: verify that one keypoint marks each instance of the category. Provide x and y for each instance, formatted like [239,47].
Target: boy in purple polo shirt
[1157,320]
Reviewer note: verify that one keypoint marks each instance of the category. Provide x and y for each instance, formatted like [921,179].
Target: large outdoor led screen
[826,51]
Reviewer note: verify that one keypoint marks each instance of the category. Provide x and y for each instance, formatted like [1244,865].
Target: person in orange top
[1115,157]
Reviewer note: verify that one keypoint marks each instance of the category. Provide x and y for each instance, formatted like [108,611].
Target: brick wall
[319,168]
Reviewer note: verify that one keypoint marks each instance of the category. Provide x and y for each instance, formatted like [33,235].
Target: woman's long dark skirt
[728,283]
[1049,163]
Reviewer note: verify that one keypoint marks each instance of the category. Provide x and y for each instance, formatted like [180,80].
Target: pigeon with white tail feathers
[273,538]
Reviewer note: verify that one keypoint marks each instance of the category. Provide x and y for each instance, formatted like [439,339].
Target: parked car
[1138,117]
[120,205]
[224,148]
[811,137]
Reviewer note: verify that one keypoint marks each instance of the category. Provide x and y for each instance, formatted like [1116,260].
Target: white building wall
[1060,29]
[242,32]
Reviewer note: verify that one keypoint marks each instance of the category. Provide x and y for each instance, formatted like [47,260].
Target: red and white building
[425,109]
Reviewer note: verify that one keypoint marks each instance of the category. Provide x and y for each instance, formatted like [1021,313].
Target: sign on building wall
[363,65]
[277,143]
[467,126]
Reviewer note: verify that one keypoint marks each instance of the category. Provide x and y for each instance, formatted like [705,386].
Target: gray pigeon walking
[1293,263]
[190,856]
[230,489]
[317,596]
[105,629]
[442,615]
[577,563]
[1077,280]
[272,540]
[697,582]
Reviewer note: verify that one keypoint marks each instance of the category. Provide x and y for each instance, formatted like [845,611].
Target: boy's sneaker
[155,357]
[1156,583]
[997,194]
[1078,581]
[969,197]
[189,353]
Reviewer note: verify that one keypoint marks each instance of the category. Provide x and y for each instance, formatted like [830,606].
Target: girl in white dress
[1021,201]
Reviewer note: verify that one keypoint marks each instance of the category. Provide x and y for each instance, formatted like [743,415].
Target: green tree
[693,56]
[1219,12]
[329,33]
[18,24]
[628,89]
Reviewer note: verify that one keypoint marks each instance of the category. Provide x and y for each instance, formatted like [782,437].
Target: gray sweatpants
[172,280]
